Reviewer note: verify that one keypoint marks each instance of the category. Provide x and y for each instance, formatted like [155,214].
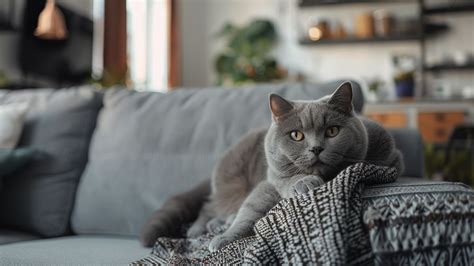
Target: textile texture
[340,223]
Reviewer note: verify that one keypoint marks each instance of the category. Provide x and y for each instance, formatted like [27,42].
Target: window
[147,34]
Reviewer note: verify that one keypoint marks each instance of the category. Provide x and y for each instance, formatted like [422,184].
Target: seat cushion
[73,250]
[149,146]
[59,125]
[11,236]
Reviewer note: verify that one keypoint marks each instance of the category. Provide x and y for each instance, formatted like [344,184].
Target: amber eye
[332,132]
[296,135]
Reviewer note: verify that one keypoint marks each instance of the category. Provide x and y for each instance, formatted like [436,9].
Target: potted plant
[404,77]
[246,57]
[458,168]
[375,89]
[405,84]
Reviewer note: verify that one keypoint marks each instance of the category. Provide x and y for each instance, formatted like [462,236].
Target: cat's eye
[296,135]
[332,131]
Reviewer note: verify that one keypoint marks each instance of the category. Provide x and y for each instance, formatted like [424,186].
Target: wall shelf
[313,3]
[438,68]
[427,29]
[452,8]
[354,40]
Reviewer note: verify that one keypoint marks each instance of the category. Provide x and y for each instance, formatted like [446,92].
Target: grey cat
[307,144]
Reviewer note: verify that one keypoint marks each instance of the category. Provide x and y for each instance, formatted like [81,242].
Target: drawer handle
[440,117]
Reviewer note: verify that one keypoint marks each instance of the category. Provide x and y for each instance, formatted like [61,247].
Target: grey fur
[267,165]
[179,209]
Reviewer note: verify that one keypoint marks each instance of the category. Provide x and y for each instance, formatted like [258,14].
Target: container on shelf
[405,88]
[364,26]
[384,22]
[319,30]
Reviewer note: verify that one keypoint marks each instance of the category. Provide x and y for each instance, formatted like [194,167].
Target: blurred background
[414,58]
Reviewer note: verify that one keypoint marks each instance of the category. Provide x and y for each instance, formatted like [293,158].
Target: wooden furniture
[434,120]
[437,126]
[392,119]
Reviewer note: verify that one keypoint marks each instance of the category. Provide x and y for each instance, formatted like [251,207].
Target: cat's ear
[279,106]
[342,98]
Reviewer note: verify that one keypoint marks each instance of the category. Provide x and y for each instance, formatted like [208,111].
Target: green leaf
[245,57]
[227,30]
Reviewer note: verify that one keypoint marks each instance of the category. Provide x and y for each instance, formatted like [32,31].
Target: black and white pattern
[339,223]
[428,224]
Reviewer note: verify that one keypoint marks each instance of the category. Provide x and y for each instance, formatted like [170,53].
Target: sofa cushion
[73,250]
[11,236]
[12,160]
[59,125]
[149,146]
[11,123]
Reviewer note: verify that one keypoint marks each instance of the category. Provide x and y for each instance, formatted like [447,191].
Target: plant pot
[405,88]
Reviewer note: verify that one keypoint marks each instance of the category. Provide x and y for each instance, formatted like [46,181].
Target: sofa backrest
[410,143]
[59,125]
[148,146]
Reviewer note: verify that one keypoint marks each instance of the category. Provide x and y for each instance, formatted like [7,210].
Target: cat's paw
[306,184]
[219,241]
[196,230]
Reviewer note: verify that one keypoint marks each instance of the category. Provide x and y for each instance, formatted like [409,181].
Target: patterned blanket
[339,223]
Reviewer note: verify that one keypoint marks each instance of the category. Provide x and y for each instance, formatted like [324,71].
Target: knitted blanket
[335,224]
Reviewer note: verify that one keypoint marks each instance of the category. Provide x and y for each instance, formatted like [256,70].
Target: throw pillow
[12,117]
[14,159]
[59,124]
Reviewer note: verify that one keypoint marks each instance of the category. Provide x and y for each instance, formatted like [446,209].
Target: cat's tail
[178,210]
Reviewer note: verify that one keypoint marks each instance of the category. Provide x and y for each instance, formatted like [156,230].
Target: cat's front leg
[262,198]
[306,184]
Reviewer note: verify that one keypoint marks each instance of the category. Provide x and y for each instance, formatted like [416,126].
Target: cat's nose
[317,150]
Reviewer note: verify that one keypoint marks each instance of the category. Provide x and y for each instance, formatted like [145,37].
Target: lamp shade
[51,25]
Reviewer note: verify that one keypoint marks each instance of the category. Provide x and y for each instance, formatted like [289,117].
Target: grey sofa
[108,159]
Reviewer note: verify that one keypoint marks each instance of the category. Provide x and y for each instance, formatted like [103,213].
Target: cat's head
[315,137]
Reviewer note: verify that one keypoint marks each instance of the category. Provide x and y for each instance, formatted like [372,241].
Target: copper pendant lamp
[51,25]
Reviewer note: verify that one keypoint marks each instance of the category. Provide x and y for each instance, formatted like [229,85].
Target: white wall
[200,19]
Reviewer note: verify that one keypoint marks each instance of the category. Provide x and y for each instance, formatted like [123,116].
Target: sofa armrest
[409,142]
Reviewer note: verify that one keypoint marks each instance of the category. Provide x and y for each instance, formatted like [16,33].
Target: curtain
[115,42]
[154,50]
[174,61]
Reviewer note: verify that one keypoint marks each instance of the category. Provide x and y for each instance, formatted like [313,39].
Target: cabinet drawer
[440,118]
[392,119]
[437,126]
[436,134]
